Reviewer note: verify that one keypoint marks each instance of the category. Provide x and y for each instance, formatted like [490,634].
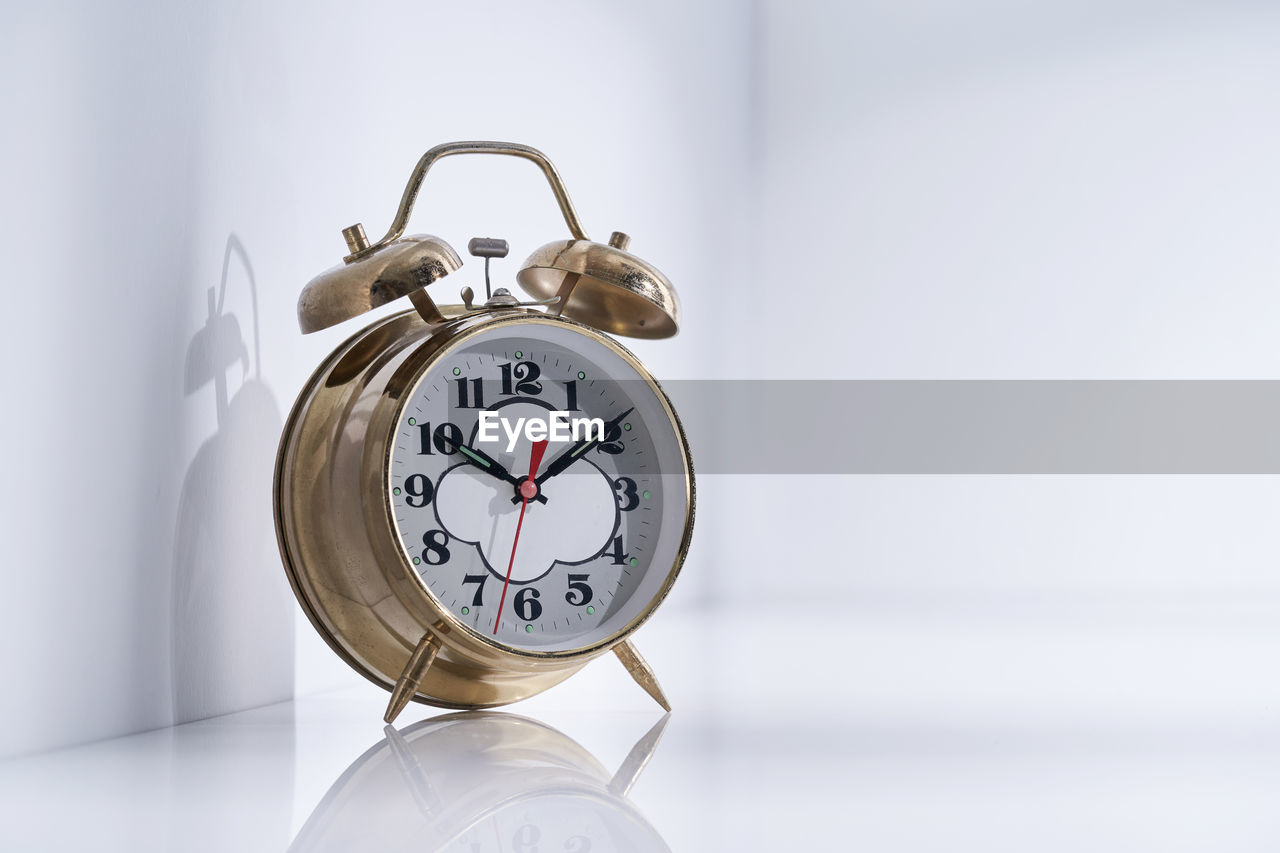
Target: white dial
[539,485]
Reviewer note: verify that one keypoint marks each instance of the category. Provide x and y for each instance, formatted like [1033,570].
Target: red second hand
[528,489]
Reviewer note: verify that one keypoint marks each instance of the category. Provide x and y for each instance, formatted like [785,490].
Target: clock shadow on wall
[233,634]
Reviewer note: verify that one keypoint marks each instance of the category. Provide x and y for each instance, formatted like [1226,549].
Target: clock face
[539,485]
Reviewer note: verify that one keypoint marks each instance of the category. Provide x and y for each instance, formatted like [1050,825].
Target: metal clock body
[402,507]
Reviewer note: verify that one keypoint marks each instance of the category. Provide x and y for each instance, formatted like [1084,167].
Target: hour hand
[568,457]
[488,464]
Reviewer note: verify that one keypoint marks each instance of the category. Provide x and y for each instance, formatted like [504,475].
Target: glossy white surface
[1098,724]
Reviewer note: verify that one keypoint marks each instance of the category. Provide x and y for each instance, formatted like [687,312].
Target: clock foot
[419,662]
[411,772]
[640,671]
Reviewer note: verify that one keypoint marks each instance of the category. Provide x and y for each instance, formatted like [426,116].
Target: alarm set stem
[487,248]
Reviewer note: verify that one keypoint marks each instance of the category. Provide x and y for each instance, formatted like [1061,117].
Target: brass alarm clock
[474,500]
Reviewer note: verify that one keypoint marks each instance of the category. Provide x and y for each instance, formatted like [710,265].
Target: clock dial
[539,485]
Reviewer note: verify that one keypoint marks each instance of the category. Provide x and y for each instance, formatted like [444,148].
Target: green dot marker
[528,629]
[590,610]
[466,610]
[581,375]
[416,561]
[645,494]
[413,421]
[627,427]
[395,491]
[519,355]
[457,370]
[634,561]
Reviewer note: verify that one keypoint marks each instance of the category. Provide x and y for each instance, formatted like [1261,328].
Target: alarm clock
[474,500]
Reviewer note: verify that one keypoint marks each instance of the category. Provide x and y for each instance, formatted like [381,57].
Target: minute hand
[564,460]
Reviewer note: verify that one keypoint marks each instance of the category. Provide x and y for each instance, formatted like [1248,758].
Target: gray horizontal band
[981,427]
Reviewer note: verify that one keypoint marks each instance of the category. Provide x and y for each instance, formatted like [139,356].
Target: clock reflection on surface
[478,782]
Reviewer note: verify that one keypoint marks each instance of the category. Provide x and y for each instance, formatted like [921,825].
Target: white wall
[153,154]
[1002,190]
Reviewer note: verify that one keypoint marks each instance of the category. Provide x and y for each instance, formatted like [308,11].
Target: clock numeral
[571,395]
[527,605]
[523,379]
[470,393]
[526,839]
[612,443]
[435,545]
[418,486]
[619,558]
[579,592]
[477,600]
[628,497]
[577,844]
[444,438]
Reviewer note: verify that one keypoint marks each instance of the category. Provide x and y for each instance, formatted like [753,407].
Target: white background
[862,190]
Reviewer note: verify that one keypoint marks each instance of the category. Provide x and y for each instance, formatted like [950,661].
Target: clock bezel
[400,389]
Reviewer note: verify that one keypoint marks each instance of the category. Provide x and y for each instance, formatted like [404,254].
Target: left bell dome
[370,281]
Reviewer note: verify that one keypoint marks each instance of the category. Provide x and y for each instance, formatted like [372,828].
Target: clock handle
[511,149]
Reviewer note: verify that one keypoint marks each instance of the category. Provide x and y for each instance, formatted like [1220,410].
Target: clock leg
[415,779]
[640,671]
[419,662]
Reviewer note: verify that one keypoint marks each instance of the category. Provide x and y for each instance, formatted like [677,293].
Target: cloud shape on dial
[574,525]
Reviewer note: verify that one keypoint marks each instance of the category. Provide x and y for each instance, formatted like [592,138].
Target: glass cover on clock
[539,486]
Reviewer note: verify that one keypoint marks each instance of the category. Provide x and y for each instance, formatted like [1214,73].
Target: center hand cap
[528,489]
